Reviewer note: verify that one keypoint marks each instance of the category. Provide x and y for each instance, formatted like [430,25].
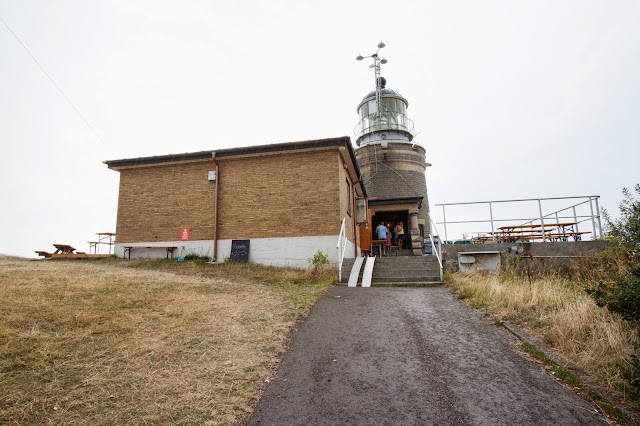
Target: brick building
[288,199]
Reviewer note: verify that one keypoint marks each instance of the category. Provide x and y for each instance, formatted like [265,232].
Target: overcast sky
[511,99]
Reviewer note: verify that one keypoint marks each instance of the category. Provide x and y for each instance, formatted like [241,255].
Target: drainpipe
[354,219]
[215,211]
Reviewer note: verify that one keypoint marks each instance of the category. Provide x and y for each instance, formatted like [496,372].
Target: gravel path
[410,356]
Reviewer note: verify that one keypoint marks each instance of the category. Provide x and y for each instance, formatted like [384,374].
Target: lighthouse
[391,164]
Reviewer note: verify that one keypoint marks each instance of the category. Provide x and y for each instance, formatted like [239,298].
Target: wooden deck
[79,256]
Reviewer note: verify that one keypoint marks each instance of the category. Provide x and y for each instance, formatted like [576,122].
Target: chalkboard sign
[239,251]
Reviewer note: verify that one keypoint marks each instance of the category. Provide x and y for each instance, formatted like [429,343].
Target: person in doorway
[381,231]
[400,231]
[395,236]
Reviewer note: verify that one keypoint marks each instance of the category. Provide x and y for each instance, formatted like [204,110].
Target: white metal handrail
[593,216]
[436,250]
[342,238]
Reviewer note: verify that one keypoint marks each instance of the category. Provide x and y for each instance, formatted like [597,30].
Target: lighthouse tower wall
[396,171]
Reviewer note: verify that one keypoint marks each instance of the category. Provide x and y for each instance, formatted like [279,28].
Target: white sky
[512,99]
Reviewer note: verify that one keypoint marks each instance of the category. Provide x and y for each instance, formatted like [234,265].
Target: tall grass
[114,342]
[558,311]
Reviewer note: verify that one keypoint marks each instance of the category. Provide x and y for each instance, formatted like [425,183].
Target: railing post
[593,222]
[598,213]
[441,262]
[444,217]
[575,219]
[493,235]
[544,236]
[341,248]
[438,250]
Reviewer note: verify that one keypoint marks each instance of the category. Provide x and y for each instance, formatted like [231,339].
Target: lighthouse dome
[383,92]
[387,121]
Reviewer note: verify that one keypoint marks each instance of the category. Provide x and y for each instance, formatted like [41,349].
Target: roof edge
[379,201]
[232,152]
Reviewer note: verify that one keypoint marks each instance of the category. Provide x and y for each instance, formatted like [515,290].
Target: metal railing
[593,216]
[387,120]
[436,250]
[341,246]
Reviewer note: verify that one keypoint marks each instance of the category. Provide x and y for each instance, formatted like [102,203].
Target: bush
[626,230]
[318,260]
[618,287]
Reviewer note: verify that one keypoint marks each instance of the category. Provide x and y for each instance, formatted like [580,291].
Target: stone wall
[553,255]
[395,171]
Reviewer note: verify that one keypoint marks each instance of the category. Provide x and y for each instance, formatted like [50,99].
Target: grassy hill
[114,341]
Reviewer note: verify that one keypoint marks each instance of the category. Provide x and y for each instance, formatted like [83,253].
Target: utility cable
[59,89]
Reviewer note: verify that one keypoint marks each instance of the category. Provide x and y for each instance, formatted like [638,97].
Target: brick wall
[282,195]
[347,196]
[155,202]
[289,194]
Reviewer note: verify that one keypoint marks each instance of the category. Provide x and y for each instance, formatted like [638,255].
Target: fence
[578,214]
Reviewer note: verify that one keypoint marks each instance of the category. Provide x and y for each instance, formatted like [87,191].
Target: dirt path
[410,356]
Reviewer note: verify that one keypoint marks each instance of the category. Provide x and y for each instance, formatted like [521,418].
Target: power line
[58,87]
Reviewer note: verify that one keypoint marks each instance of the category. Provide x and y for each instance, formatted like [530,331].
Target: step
[400,269]
[434,283]
[377,273]
[405,279]
[400,260]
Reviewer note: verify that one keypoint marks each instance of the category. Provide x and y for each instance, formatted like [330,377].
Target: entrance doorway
[391,219]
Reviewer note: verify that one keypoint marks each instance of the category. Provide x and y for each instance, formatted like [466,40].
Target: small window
[361,210]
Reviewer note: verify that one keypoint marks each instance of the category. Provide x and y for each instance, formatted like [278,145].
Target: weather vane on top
[380,83]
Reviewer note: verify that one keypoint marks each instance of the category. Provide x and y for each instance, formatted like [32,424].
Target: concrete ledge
[558,251]
[288,252]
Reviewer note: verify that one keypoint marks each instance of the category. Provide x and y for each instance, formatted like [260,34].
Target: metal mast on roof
[377,61]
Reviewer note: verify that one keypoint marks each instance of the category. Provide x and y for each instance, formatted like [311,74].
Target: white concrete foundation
[292,252]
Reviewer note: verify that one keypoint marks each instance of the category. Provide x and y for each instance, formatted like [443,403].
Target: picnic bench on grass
[65,251]
[170,249]
[106,238]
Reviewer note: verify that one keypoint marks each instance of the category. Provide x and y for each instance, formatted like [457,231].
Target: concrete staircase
[399,271]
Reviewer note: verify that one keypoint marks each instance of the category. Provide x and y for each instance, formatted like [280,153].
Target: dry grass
[561,314]
[113,342]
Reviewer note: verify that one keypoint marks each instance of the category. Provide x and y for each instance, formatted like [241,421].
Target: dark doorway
[391,219]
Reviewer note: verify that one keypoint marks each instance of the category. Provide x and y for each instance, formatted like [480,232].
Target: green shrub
[318,260]
[618,284]
[194,258]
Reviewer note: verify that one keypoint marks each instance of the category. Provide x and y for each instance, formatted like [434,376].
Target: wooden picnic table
[563,226]
[380,243]
[103,238]
[64,249]
[558,231]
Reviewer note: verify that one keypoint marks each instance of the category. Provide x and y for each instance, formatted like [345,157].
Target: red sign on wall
[184,234]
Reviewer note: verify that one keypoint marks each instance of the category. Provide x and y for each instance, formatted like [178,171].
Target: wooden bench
[564,236]
[43,253]
[482,239]
[170,249]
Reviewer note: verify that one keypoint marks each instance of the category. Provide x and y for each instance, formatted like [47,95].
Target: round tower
[392,167]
